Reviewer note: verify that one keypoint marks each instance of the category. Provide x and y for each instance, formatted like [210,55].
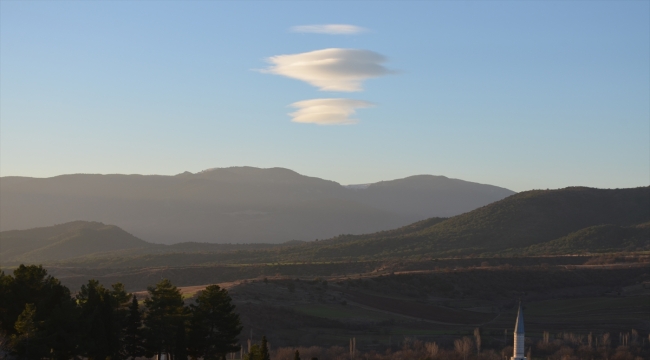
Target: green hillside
[66,241]
[516,222]
[601,238]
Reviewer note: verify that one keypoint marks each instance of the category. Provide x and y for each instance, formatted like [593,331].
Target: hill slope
[517,222]
[235,205]
[600,238]
[66,241]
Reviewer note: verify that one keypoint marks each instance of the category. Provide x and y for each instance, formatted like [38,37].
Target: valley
[578,258]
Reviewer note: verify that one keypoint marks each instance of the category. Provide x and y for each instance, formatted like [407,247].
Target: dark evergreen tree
[99,337]
[133,342]
[180,343]
[26,338]
[120,301]
[264,351]
[254,354]
[8,305]
[165,312]
[48,314]
[214,326]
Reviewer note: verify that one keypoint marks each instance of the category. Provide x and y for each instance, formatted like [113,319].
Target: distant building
[518,351]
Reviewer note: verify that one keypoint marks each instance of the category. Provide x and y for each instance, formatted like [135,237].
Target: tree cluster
[40,318]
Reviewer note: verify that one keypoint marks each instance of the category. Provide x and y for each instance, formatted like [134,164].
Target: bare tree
[463,346]
[606,340]
[477,339]
[432,349]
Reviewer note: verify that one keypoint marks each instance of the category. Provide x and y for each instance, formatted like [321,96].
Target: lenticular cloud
[331,29]
[327,111]
[330,69]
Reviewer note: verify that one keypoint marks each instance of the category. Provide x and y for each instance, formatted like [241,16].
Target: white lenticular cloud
[330,69]
[327,111]
[332,29]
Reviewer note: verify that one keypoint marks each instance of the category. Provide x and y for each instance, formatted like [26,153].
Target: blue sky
[517,94]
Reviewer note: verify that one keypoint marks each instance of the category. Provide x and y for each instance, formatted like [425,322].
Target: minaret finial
[518,351]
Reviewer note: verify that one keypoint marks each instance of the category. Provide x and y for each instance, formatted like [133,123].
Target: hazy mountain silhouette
[237,205]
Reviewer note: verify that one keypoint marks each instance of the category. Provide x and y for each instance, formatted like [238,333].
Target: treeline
[39,318]
[561,346]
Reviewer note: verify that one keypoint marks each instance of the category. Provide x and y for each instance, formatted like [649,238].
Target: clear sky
[533,94]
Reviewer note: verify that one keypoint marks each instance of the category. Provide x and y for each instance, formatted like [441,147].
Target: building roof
[519,325]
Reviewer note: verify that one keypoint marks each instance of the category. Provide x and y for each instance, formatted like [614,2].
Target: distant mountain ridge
[235,205]
[540,222]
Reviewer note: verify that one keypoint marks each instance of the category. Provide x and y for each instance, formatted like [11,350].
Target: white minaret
[518,352]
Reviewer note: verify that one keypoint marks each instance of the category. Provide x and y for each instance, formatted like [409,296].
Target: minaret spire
[518,351]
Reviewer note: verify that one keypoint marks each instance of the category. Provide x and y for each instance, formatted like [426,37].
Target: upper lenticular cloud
[331,29]
[327,111]
[330,69]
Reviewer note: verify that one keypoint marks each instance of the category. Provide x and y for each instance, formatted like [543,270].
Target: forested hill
[512,224]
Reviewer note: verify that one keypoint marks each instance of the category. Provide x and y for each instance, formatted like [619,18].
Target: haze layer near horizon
[520,95]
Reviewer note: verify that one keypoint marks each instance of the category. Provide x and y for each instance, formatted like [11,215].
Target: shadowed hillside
[90,240]
[65,241]
[235,205]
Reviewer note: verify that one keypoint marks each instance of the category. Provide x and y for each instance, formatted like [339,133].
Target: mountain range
[235,205]
[541,222]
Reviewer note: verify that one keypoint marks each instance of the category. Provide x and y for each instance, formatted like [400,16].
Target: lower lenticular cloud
[330,69]
[331,29]
[327,111]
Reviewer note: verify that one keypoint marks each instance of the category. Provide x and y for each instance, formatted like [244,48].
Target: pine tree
[53,313]
[25,338]
[133,342]
[254,354]
[214,325]
[265,349]
[120,303]
[165,312]
[180,343]
[96,320]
